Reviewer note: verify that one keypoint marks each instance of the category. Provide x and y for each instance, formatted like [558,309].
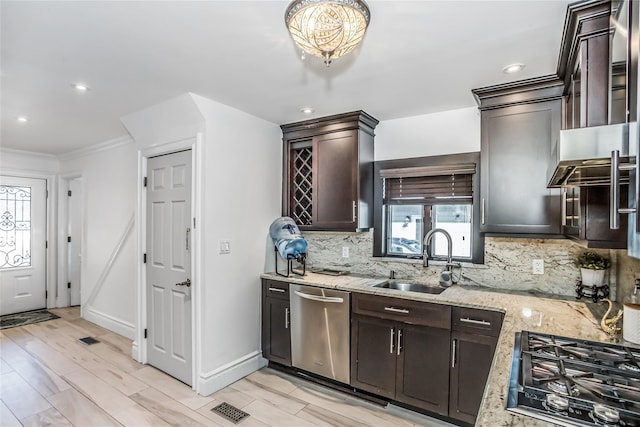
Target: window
[414,196]
[15,227]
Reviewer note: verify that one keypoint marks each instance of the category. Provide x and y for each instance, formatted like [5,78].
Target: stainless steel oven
[320,331]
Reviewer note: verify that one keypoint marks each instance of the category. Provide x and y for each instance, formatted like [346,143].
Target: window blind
[449,184]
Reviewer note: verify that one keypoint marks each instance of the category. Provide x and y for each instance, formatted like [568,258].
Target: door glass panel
[15,227]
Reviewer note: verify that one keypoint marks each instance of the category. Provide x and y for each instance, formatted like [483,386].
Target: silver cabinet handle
[482,212]
[396,310]
[354,211]
[614,191]
[391,341]
[286,318]
[277,290]
[476,322]
[319,298]
[398,347]
[453,353]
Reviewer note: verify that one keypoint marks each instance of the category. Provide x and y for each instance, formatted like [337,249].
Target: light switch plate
[345,252]
[225,247]
[538,266]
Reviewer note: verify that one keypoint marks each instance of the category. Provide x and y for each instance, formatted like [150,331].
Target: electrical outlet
[538,266]
[345,252]
[225,247]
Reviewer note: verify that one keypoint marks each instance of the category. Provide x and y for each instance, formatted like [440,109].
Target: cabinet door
[471,362]
[515,157]
[276,335]
[423,367]
[335,180]
[373,355]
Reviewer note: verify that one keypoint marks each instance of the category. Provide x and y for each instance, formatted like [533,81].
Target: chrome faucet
[446,275]
[427,242]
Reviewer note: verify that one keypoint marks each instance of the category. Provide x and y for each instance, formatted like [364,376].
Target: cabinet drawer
[478,321]
[407,311]
[275,289]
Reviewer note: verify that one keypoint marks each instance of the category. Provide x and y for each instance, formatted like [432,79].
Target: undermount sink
[411,287]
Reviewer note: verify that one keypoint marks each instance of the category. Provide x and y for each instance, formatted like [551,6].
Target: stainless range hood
[584,155]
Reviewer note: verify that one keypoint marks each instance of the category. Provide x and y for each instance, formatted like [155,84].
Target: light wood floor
[47,378]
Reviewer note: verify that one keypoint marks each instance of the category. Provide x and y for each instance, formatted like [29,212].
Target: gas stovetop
[573,382]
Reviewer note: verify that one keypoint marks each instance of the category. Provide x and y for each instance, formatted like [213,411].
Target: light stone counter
[560,317]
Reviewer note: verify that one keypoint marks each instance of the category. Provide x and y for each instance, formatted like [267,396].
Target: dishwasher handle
[319,298]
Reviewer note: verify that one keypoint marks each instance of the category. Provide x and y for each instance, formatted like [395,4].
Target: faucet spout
[427,242]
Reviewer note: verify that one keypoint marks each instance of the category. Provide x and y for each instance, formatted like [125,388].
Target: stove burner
[605,414]
[563,388]
[557,403]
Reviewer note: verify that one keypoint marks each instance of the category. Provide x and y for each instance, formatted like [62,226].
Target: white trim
[135,350]
[29,153]
[51,261]
[195,144]
[219,378]
[102,146]
[107,321]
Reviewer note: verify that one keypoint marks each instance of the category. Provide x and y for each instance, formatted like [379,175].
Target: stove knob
[557,403]
[605,414]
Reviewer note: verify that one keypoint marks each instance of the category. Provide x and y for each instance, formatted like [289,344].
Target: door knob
[186,283]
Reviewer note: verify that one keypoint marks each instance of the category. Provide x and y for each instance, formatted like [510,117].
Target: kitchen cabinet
[276,335]
[593,69]
[474,339]
[328,172]
[400,349]
[520,126]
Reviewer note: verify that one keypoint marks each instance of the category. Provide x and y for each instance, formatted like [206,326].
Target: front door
[23,214]
[169,264]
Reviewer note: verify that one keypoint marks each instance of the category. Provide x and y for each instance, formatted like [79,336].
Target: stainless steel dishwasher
[320,331]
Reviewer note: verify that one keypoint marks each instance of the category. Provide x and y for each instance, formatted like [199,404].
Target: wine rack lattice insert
[301,203]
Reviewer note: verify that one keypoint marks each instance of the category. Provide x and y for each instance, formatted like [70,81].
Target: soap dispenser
[631,322]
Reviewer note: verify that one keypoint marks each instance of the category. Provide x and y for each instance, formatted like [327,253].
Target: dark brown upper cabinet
[520,127]
[328,172]
[593,68]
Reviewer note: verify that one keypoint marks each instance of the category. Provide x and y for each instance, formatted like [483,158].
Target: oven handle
[319,298]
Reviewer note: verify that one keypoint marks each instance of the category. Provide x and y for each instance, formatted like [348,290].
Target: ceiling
[418,57]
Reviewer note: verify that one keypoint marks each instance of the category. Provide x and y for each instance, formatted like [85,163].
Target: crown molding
[28,153]
[96,148]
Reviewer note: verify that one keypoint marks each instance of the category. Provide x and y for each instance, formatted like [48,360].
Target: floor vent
[88,340]
[230,412]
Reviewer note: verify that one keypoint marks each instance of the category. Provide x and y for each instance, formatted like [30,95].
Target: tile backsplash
[507,265]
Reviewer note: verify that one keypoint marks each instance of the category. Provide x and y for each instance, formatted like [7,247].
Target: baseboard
[135,351]
[109,322]
[218,379]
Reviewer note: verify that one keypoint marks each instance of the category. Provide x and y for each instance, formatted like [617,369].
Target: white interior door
[169,264]
[23,215]
[74,254]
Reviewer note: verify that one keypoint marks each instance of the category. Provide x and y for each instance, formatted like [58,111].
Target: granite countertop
[545,314]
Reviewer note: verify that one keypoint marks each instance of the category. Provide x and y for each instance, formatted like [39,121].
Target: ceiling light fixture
[512,68]
[327,29]
[81,87]
[306,110]
[22,119]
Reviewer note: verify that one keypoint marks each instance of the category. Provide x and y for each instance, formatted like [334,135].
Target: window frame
[380,210]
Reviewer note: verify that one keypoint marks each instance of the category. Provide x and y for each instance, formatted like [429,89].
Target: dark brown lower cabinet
[474,337]
[394,357]
[276,335]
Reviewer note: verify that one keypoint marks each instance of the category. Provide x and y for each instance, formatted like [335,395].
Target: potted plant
[593,268]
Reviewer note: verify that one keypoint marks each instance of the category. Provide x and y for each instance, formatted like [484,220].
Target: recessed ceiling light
[512,68]
[307,110]
[81,87]
[22,119]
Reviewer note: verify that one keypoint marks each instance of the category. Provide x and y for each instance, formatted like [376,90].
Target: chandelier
[327,29]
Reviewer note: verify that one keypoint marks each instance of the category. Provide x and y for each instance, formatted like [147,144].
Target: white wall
[108,273]
[447,132]
[242,182]
[27,162]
